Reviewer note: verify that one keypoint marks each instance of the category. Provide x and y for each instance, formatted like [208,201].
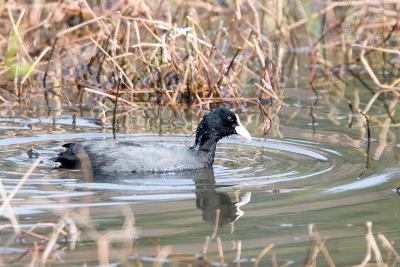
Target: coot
[127,156]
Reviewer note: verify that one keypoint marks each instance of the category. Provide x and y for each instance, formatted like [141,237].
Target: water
[260,192]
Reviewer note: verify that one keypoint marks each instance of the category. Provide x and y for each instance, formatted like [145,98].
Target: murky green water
[260,192]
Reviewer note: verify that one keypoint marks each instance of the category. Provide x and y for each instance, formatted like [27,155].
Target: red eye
[229,118]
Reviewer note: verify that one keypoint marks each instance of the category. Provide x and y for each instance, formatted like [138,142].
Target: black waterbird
[127,156]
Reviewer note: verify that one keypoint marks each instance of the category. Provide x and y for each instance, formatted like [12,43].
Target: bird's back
[126,156]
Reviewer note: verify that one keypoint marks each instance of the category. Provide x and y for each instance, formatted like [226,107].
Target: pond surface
[258,192]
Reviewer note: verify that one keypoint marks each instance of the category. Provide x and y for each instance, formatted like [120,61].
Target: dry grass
[80,54]
[65,53]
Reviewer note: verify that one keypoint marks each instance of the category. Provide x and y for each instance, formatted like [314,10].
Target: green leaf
[16,65]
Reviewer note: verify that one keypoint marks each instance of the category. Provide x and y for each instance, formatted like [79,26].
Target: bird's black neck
[206,141]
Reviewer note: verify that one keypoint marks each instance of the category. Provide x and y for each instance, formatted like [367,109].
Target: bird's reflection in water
[216,206]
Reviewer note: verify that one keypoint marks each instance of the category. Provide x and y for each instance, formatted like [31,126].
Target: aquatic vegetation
[316,81]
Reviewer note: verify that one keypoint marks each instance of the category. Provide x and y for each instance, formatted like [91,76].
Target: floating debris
[32,153]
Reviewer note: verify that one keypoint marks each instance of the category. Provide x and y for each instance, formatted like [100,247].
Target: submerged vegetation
[113,57]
